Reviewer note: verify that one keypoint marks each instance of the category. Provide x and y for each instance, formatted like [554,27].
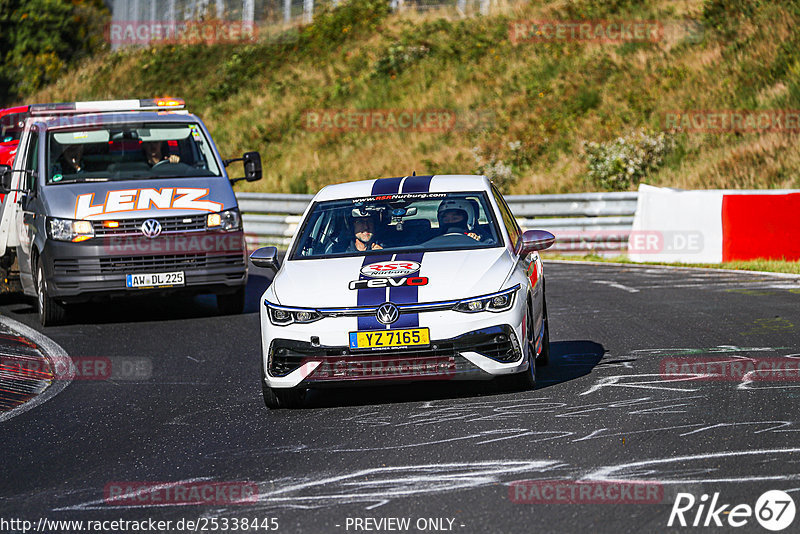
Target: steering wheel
[160,163]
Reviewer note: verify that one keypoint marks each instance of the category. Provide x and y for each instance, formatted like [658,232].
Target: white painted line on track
[616,285]
[674,268]
[59,360]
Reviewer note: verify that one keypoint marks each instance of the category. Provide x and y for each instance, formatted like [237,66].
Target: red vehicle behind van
[12,121]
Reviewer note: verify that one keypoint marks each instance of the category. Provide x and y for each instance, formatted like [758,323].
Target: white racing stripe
[59,359]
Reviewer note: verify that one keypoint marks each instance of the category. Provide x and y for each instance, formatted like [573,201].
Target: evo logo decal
[389,282]
[131,200]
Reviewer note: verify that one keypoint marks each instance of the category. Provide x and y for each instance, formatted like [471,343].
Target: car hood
[138,198]
[451,275]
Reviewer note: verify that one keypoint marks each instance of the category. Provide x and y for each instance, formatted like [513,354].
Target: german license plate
[379,339]
[154,280]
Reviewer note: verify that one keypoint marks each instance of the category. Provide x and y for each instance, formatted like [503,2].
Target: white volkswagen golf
[403,279]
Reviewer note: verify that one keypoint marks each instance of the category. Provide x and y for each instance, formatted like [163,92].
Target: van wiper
[78,180]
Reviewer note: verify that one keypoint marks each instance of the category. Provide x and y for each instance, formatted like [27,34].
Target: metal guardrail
[582,222]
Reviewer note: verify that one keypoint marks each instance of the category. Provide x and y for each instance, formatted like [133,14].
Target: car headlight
[495,302]
[70,230]
[282,316]
[224,220]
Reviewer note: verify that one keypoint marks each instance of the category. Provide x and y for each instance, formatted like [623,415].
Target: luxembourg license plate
[154,280]
[379,339]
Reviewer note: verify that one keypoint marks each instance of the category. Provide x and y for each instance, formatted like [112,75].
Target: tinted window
[395,223]
[128,152]
[514,232]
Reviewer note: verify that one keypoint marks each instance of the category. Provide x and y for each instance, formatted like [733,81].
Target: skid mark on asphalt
[373,486]
[701,468]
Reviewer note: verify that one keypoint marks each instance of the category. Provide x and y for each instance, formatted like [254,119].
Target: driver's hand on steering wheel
[173,158]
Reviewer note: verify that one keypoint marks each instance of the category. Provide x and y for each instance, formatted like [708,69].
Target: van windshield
[129,152]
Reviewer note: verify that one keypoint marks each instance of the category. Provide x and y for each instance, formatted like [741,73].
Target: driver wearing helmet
[457,216]
[363,233]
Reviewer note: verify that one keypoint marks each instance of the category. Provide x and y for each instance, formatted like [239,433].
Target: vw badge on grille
[151,228]
[387,313]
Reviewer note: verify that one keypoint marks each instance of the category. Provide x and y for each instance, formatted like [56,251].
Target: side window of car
[32,159]
[514,232]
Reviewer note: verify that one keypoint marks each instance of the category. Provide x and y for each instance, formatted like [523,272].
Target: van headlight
[495,302]
[69,230]
[283,316]
[224,220]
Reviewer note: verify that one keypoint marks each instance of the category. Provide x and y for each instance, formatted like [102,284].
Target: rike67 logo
[774,510]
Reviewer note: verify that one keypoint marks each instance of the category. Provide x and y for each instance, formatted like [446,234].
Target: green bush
[625,161]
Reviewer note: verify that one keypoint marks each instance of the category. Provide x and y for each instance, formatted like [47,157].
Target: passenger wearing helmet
[363,234]
[457,216]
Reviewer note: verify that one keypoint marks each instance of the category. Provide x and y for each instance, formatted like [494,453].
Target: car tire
[232,303]
[51,311]
[277,398]
[544,357]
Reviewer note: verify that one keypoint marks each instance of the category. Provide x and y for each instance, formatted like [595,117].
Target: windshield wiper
[78,180]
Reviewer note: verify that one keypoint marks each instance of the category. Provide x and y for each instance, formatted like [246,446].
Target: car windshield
[401,222]
[11,127]
[129,152]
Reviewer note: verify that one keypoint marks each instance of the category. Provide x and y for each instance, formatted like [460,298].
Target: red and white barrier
[712,226]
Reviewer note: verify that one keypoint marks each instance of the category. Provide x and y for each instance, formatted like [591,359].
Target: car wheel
[544,357]
[277,398]
[50,310]
[233,303]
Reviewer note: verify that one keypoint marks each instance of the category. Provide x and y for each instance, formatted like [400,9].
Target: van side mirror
[265,257]
[252,167]
[536,240]
[5,178]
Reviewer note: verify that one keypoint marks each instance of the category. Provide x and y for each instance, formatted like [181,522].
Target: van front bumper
[212,262]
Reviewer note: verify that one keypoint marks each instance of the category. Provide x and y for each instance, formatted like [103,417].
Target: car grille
[498,343]
[169,225]
[145,264]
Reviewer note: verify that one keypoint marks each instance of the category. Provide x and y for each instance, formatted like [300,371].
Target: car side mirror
[536,240]
[252,166]
[265,257]
[5,178]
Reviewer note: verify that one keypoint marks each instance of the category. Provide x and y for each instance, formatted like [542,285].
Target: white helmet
[458,204]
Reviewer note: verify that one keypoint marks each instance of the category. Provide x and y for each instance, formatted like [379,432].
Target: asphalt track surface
[602,410]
